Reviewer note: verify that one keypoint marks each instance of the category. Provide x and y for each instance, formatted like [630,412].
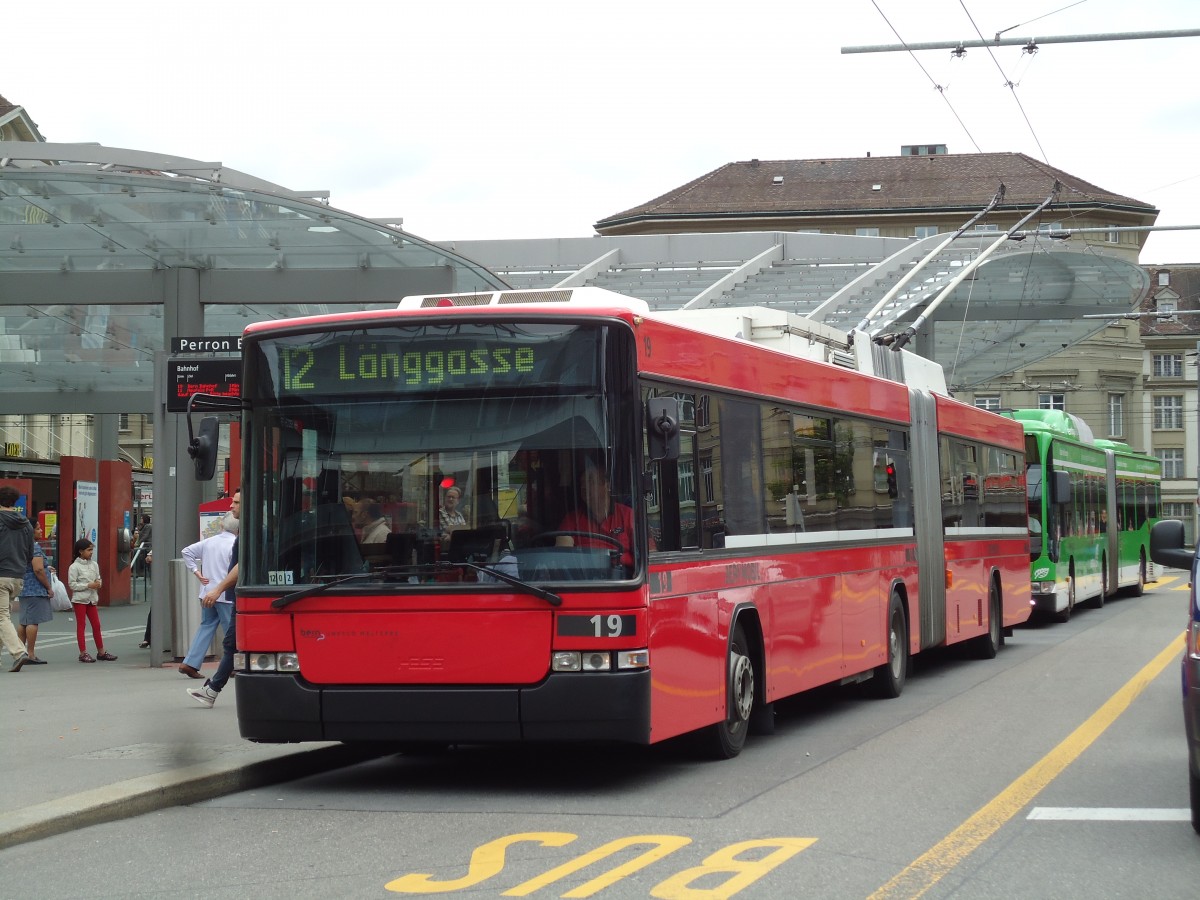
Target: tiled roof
[908,183]
[1184,283]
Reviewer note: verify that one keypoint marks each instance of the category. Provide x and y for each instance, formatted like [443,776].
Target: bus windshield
[430,453]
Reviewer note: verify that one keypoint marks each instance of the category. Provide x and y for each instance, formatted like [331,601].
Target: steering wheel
[617,545]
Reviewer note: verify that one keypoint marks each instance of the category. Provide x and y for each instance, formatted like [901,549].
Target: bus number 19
[606,626]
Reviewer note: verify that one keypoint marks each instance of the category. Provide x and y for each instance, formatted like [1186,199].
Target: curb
[180,787]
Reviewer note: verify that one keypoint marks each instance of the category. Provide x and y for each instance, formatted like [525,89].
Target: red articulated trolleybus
[558,516]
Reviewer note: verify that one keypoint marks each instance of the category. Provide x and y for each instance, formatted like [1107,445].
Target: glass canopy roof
[76,215]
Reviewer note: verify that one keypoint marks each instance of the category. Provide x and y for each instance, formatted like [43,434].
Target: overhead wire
[939,88]
[1008,82]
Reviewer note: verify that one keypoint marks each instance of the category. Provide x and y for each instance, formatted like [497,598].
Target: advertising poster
[211,514]
[87,512]
[47,525]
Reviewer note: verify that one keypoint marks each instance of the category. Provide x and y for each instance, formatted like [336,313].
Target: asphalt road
[1055,770]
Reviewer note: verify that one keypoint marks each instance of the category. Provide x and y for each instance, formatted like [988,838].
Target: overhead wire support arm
[905,336]
[1024,42]
[912,273]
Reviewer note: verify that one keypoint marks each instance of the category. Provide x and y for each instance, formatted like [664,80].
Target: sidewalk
[87,743]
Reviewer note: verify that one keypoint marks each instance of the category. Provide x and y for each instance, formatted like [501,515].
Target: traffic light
[891,480]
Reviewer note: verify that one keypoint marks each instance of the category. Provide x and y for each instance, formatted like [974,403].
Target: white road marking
[1107,814]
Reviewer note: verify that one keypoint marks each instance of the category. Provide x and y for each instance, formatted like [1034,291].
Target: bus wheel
[888,680]
[726,739]
[1065,614]
[1098,602]
[1140,588]
[987,645]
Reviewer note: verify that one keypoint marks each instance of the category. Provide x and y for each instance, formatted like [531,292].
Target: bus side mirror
[662,428]
[203,448]
[1166,545]
[1060,487]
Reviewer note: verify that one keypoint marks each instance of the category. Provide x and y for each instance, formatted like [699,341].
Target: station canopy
[103,251]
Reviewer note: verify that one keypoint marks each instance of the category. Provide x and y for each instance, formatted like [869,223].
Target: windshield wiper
[287,599]
[549,596]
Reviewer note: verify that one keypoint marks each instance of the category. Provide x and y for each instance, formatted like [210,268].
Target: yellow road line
[923,873]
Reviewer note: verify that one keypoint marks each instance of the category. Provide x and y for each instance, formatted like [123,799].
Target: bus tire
[1064,615]
[987,645]
[725,739]
[1098,601]
[887,681]
[1140,588]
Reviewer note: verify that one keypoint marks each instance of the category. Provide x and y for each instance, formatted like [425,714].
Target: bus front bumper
[1049,601]
[610,706]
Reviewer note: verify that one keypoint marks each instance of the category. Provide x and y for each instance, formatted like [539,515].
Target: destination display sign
[218,377]
[383,361]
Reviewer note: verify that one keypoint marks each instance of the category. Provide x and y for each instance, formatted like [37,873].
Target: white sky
[535,119]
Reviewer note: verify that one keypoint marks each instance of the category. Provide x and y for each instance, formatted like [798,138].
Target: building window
[987,401]
[1172,461]
[1164,278]
[1113,237]
[867,232]
[1116,415]
[1052,401]
[924,231]
[987,227]
[1050,226]
[1184,512]
[123,422]
[1168,365]
[1168,413]
[1167,307]
[706,475]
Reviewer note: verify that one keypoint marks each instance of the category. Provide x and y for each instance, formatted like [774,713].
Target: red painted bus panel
[465,647]
[740,366]
[958,418]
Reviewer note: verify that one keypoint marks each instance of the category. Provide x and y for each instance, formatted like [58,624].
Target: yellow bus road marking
[1107,814]
[937,862]
[733,867]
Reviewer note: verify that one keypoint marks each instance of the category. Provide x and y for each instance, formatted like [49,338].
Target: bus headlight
[599,660]
[596,661]
[566,661]
[269,662]
[633,659]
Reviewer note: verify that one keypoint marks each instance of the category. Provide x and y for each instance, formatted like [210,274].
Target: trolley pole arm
[912,273]
[905,336]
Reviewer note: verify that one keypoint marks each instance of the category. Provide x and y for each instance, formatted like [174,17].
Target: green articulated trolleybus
[1091,505]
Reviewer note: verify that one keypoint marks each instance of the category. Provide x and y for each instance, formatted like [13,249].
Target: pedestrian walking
[83,578]
[16,550]
[35,603]
[209,561]
[206,694]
